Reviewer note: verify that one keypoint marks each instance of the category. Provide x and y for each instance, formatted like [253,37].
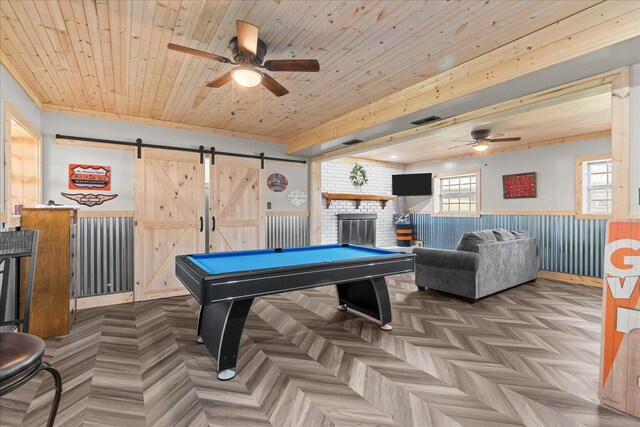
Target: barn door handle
[213,221]
[201,224]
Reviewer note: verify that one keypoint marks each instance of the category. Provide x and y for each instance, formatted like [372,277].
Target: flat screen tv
[411,184]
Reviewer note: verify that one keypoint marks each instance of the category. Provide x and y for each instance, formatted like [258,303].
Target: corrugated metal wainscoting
[287,231]
[8,295]
[566,244]
[106,255]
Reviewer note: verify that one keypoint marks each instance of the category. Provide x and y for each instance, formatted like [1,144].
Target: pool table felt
[232,262]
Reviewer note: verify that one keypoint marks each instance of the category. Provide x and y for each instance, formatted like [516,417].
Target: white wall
[635,139]
[56,157]
[11,92]
[335,178]
[555,174]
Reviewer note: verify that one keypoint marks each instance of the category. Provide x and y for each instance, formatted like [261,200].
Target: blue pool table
[225,284]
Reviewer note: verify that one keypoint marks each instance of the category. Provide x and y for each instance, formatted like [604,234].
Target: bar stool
[21,353]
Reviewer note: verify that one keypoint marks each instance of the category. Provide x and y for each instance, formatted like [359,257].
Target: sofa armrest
[443,258]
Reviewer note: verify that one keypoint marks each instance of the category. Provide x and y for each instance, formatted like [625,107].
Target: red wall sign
[519,185]
[89,177]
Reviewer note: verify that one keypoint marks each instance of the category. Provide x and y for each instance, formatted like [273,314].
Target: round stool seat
[19,352]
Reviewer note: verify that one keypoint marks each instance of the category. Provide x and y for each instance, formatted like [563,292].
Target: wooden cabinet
[53,302]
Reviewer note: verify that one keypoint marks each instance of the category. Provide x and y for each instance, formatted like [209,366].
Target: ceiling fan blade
[504,139]
[463,145]
[273,86]
[247,38]
[305,65]
[220,80]
[196,52]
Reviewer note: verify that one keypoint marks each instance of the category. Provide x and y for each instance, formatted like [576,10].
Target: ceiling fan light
[247,77]
[480,146]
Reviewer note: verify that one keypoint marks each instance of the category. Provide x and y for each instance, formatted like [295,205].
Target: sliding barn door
[169,209]
[237,208]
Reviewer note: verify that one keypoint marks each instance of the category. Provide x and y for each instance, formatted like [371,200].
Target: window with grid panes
[597,187]
[458,194]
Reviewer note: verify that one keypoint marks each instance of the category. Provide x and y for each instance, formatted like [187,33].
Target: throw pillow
[521,234]
[503,235]
[469,241]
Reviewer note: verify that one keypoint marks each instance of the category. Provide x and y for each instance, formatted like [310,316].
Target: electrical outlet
[268,205]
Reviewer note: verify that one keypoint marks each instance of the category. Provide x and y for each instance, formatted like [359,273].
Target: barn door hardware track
[139,145]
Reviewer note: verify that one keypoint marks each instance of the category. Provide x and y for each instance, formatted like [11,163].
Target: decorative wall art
[358,176]
[519,185]
[277,182]
[297,198]
[88,199]
[89,177]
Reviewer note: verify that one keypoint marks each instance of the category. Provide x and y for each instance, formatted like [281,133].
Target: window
[597,187]
[457,194]
[594,186]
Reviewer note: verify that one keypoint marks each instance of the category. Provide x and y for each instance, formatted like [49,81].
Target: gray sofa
[485,262]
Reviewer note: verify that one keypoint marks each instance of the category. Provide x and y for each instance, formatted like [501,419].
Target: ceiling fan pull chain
[260,89]
[233,97]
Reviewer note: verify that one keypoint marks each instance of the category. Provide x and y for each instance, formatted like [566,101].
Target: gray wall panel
[566,244]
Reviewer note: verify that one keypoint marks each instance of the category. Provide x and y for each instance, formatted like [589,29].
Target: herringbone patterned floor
[525,356]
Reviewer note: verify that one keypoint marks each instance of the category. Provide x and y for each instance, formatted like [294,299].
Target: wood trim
[89,144]
[286,213]
[597,27]
[104,214]
[510,212]
[380,163]
[571,278]
[315,203]
[10,113]
[157,122]
[533,145]
[578,188]
[621,145]
[24,84]
[528,212]
[104,300]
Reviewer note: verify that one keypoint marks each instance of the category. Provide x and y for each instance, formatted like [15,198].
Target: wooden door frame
[10,113]
[139,175]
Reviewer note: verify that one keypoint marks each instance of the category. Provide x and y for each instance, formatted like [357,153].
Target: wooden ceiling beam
[571,91]
[597,27]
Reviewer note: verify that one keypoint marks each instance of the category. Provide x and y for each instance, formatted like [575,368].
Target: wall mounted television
[411,184]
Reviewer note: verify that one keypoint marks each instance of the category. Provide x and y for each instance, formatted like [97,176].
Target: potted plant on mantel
[358,176]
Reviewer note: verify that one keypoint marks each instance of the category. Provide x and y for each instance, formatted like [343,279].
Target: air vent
[426,120]
[352,142]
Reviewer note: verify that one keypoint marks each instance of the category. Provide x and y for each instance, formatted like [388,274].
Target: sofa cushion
[503,235]
[469,241]
[521,234]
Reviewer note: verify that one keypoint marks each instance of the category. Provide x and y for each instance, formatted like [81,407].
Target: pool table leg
[369,296]
[221,327]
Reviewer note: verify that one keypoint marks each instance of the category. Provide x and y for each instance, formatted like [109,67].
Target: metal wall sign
[89,199]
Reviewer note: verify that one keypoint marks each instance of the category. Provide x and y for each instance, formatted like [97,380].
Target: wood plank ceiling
[111,56]
[535,124]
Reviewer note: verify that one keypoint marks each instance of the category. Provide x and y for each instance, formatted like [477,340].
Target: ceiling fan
[483,137]
[248,53]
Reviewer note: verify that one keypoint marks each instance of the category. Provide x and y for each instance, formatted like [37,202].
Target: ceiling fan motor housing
[480,133]
[243,59]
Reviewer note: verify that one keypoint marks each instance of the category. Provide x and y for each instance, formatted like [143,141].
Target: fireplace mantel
[358,198]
